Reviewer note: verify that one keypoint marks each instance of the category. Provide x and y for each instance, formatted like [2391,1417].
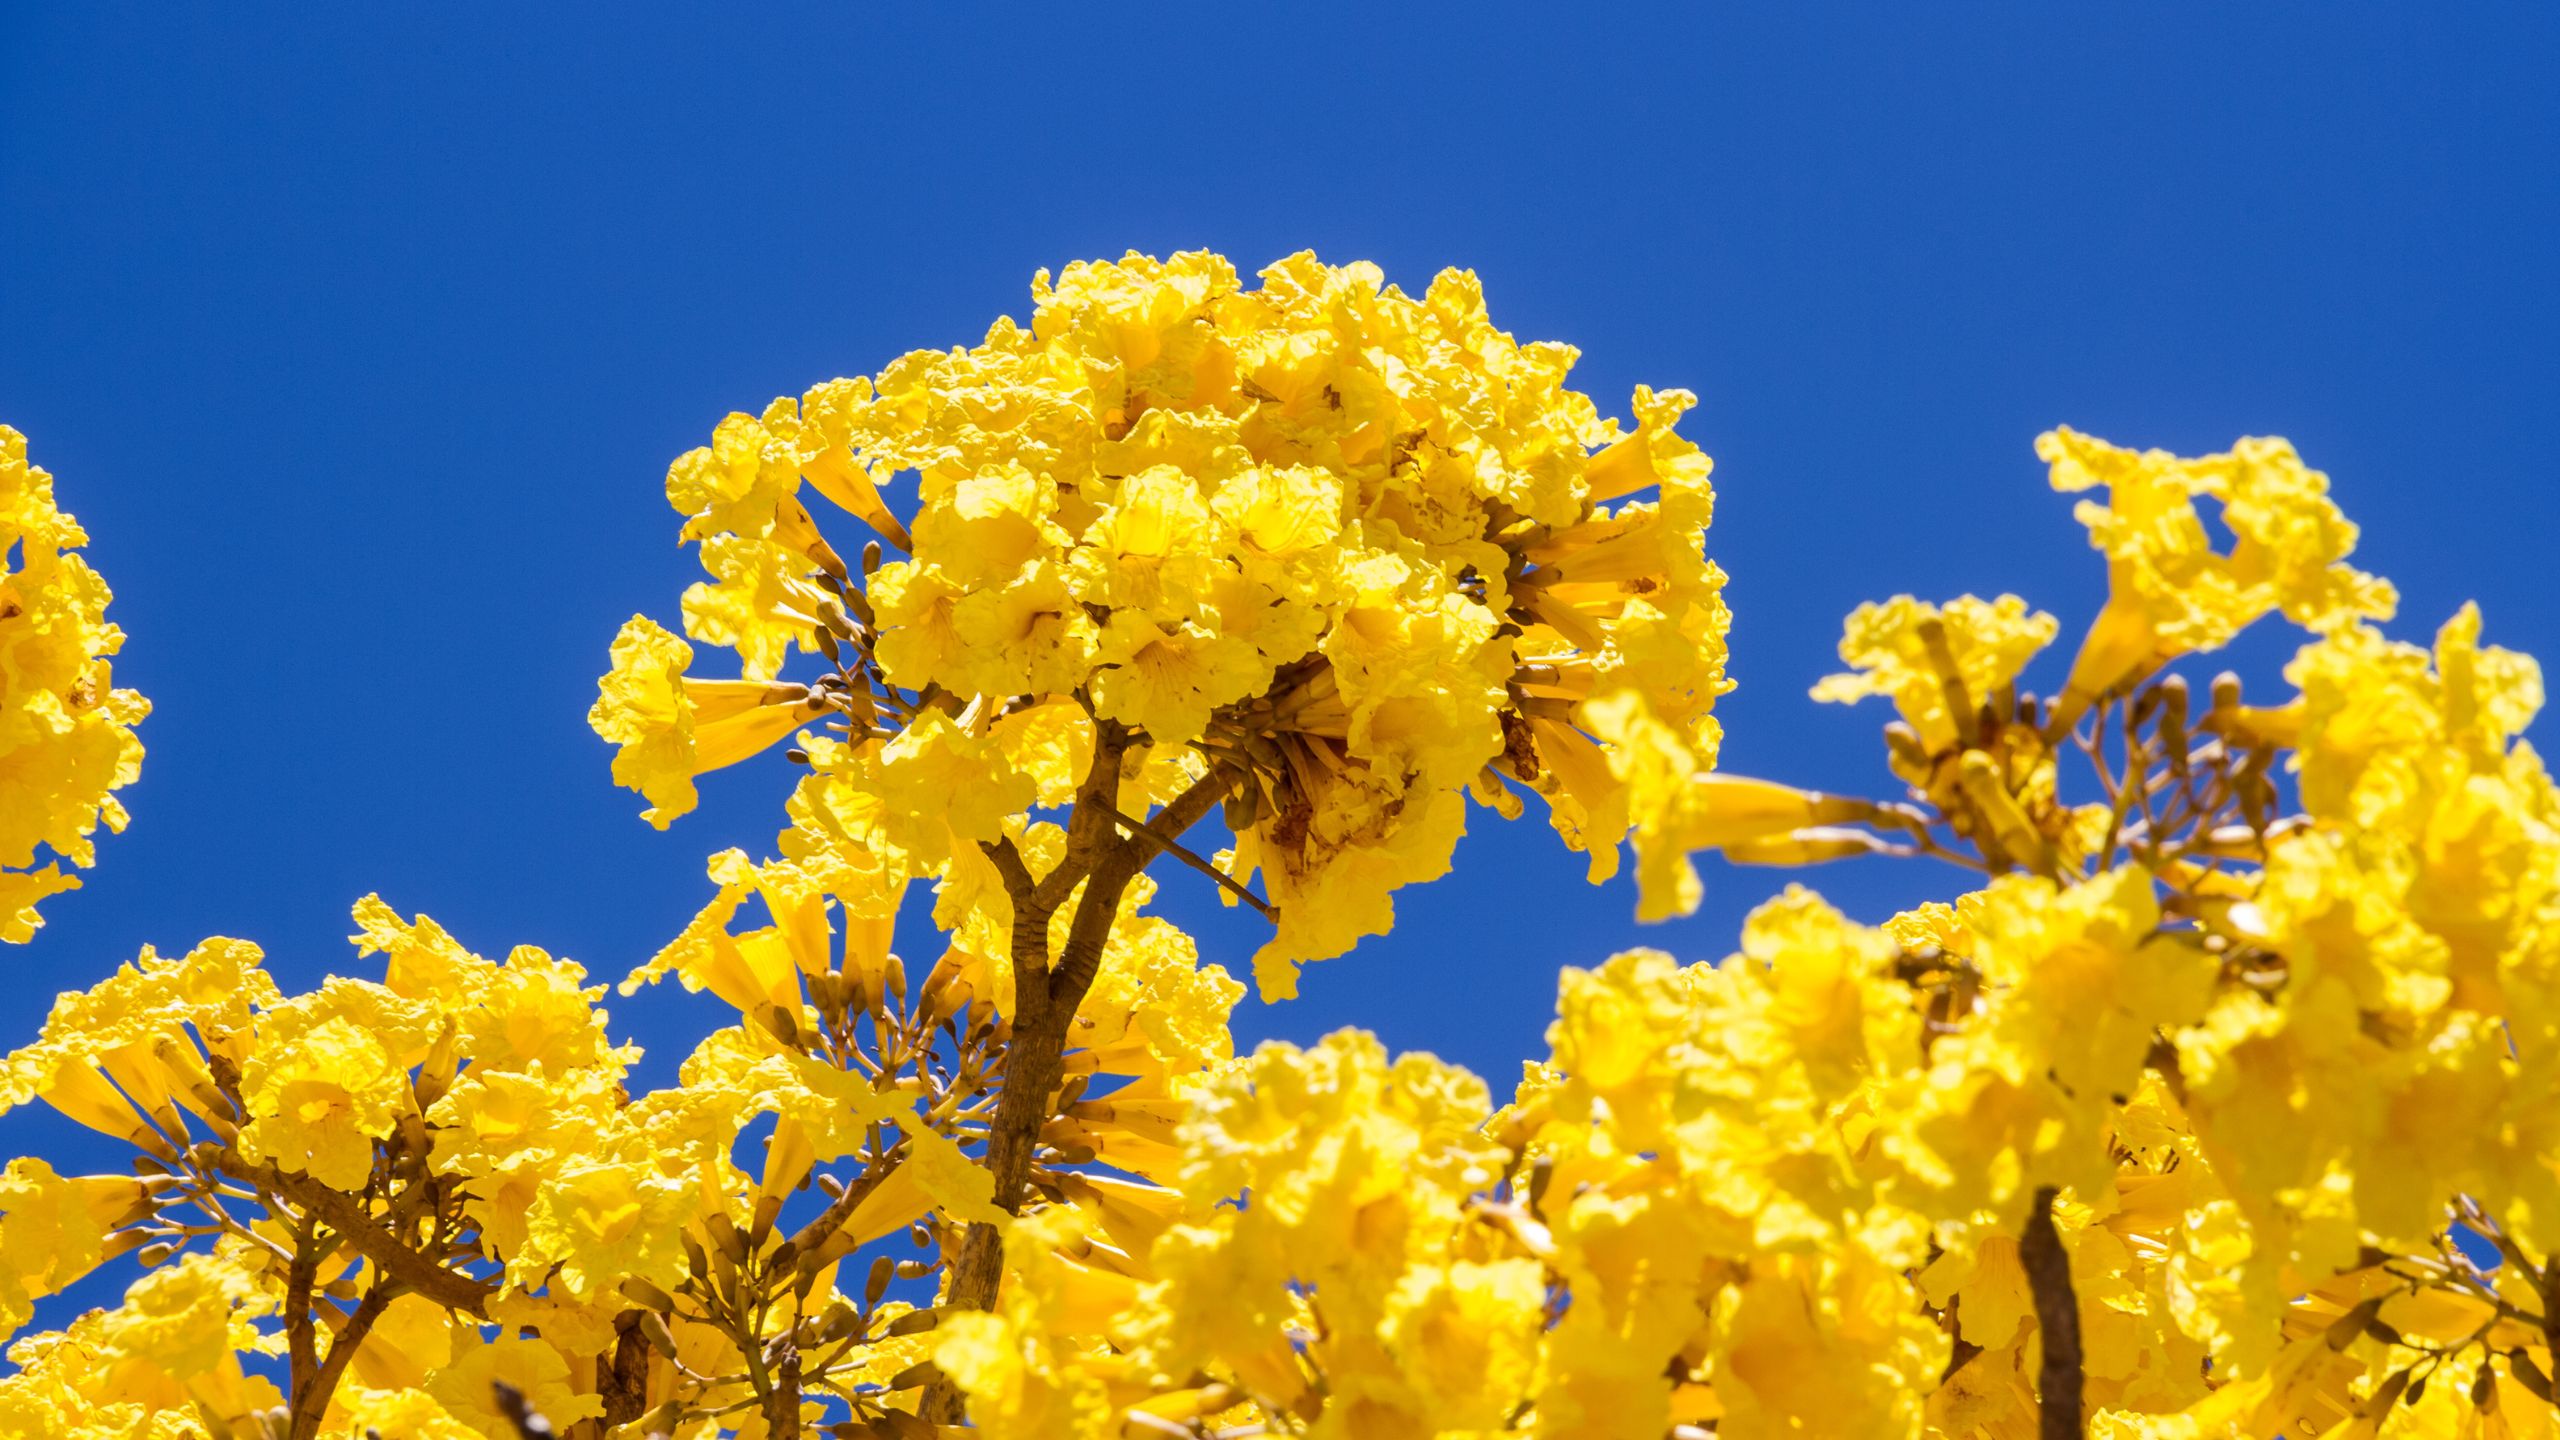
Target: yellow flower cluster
[449,1165]
[450,1152]
[2169,591]
[2195,1117]
[66,732]
[1707,1208]
[487,1085]
[1354,553]
[2221,1097]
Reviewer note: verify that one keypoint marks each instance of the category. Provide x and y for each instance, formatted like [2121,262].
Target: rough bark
[623,1384]
[1045,999]
[2058,1382]
[311,1398]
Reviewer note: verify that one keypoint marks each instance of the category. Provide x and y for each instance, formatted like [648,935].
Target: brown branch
[311,1401]
[2058,1383]
[622,1376]
[1089,834]
[1046,995]
[2549,1291]
[302,1354]
[1046,998]
[1192,858]
[1034,1062]
[782,1407]
[1018,883]
[1079,963]
[449,1288]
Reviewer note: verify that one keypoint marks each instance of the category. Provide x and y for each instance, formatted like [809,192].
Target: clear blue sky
[361,341]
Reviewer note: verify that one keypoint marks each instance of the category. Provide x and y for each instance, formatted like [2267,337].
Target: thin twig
[1187,856]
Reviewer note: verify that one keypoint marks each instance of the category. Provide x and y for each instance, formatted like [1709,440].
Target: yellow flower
[1989,642]
[330,1075]
[1822,1347]
[1358,845]
[2170,592]
[1166,682]
[131,1041]
[1655,455]
[54,1230]
[743,480]
[409,1413]
[1023,1378]
[759,601]
[66,732]
[602,1224]
[958,1188]
[1029,636]
[163,1364]
[466,1386]
[1676,806]
[1465,1340]
[671,728]
[831,1110]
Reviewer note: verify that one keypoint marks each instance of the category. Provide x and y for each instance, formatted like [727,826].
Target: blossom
[330,1075]
[2170,592]
[1359,548]
[54,1229]
[602,1224]
[1889,644]
[671,728]
[66,731]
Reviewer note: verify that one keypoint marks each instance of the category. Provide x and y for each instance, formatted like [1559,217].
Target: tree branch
[302,1352]
[1082,959]
[1088,829]
[1046,995]
[449,1288]
[1018,883]
[622,1375]
[1192,858]
[2048,1269]
[311,1402]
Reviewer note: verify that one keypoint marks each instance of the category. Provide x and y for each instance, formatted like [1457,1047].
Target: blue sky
[361,340]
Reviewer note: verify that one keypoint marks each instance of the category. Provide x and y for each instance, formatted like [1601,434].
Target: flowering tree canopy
[2220,1095]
